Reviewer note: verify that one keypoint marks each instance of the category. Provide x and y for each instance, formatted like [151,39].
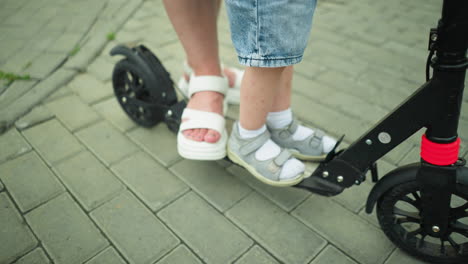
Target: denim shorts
[270,33]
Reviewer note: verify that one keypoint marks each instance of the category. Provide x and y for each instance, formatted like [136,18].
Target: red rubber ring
[439,154]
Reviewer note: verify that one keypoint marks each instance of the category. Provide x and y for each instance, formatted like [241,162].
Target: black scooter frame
[435,105]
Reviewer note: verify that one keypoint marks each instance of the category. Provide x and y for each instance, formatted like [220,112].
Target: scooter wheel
[399,214]
[132,92]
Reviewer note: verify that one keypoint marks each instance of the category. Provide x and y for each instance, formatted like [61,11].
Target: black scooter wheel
[133,94]
[399,214]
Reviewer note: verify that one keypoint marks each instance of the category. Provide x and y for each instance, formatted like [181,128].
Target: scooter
[415,203]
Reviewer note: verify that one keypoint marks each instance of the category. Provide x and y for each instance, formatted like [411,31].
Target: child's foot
[264,159]
[303,142]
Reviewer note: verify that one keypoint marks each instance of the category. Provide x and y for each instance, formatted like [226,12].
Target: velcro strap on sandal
[207,83]
[255,144]
[284,156]
[316,139]
[201,119]
[293,126]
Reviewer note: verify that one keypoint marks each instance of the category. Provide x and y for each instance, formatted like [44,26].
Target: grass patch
[74,51]
[11,77]
[110,36]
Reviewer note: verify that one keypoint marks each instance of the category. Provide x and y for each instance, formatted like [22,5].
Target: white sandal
[232,95]
[201,150]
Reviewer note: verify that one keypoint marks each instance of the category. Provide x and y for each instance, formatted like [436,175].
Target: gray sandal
[242,152]
[311,148]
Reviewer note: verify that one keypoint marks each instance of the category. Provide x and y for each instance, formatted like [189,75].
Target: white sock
[279,119]
[245,133]
[269,150]
[284,118]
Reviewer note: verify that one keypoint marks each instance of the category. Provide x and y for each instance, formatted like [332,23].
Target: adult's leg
[195,24]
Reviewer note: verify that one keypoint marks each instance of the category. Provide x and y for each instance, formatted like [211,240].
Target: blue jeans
[270,33]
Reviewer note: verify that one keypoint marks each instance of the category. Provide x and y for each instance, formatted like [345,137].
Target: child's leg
[270,35]
[258,90]
[311,143]
[195,24]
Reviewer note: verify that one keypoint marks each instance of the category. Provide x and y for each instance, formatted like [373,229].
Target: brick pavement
[45,43]
[80,183]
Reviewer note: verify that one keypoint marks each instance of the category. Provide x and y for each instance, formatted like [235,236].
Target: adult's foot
[205,101]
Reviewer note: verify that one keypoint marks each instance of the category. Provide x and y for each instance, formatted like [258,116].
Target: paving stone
[12,145]
[91,89]
[282,235]
[134,230]
[29,181]
[44,64]
[173,50]
[463,129]
[52,141]
[15,91]
[312,89]
[387,82]
[332,255]
[371,218]
[16,238]
[59,93]
[101,69]
[320,116]
[3,84]
[180,255]
[65,43]
[106,142]
[352,105]
[286,198]
[36,256]
[164,38]
[205,230]
[44,39]
[399,152]
[227,51]
[256,255]
[325,43]
[70,238]
[36,95]
[155,140]
[149,180]
[73,112]
[347,231]
[38,115]
[400,257]
[88,180]
[18,61]
[108,256]
[111,110]
[211,182]
[349,65]
[386,98]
